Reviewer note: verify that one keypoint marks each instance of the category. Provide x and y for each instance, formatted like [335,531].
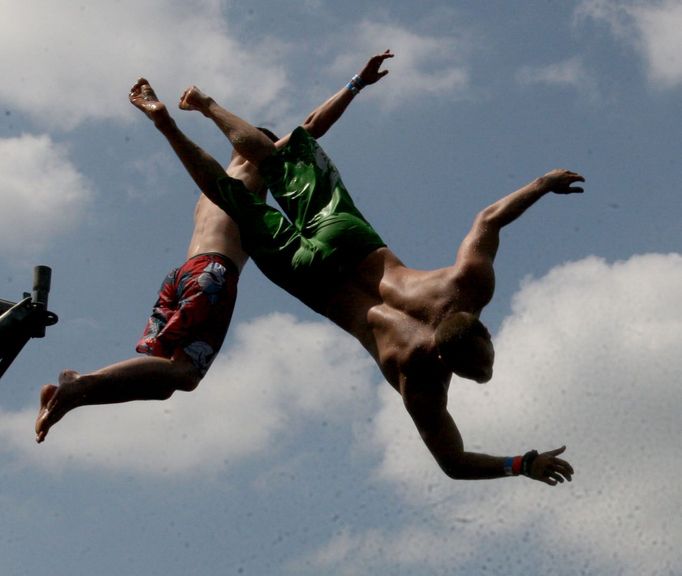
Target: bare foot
[143,97]
[52,408]
[194,99]
[47,393]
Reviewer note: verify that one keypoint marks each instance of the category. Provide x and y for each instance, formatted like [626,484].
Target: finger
[565,472]
[557,451]
[563,468]
[557,477]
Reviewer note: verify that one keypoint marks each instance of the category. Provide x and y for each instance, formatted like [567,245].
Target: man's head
[465,347]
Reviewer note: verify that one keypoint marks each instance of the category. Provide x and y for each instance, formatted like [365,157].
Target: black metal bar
[5,305]
[21,321]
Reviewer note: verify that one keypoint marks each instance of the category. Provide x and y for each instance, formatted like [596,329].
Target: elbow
[454,469]
[315,126]
[488,216]
[315,129]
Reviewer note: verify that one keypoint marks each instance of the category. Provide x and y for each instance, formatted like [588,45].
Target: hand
[559,181]
[549,469]
[370,73]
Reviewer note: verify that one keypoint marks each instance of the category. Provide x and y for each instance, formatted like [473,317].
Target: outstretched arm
[324,116]
[441,436]
[509,208]
[251,143]
[482,241]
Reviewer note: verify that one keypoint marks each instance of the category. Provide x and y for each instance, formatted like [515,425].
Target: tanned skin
[394,310]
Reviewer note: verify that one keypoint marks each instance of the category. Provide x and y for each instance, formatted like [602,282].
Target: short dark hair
[456,338]
[268,133]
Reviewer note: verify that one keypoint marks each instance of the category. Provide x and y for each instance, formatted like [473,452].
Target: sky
[294,456]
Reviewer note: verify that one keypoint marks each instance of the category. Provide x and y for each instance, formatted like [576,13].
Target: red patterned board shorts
[193,311]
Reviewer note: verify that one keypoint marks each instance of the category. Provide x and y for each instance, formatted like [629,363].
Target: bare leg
[144,378]
[202,167]
[246,139]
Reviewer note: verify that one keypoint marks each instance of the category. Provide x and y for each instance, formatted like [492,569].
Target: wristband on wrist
[527,462]
[512,465]
[355,85]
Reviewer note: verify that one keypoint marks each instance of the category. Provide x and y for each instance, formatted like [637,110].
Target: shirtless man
[189,320]
[419,326]
[196,301]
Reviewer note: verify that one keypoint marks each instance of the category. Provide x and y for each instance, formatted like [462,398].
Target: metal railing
[26,319]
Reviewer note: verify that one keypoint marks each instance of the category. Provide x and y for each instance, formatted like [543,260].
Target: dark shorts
[193,311]
[325,236]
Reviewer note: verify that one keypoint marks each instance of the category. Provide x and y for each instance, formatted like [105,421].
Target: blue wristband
[353,88]
[355,85]
[359,82]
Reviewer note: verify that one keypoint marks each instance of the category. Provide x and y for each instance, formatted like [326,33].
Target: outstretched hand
[559,181]
[371,73]
[549,469]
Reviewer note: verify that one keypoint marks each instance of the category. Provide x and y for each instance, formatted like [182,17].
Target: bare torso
[394,310]
[215,231]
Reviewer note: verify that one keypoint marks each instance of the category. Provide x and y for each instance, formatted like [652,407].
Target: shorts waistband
[225,260]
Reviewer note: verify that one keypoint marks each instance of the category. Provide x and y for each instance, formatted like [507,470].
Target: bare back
[394,310]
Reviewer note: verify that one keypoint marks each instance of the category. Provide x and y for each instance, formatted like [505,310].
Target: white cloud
[424,65]
[568,73]
[660,27]
[273,374]
[653,28]
[589,357]
[41,192]
[63,63]
[70,62]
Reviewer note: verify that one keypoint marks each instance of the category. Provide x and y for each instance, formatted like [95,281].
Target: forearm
[442,438]
[509,208]
[446,447]
[324,116]
[475,466]
[201,166]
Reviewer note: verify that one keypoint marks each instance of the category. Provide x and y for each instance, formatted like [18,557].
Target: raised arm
[251,143]
[324,116]
[509,208]
[482,241]
[442,438]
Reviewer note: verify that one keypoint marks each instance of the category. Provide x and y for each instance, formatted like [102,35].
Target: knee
[188,378]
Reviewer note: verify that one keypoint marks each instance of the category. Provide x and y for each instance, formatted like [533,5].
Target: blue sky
[293,456]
